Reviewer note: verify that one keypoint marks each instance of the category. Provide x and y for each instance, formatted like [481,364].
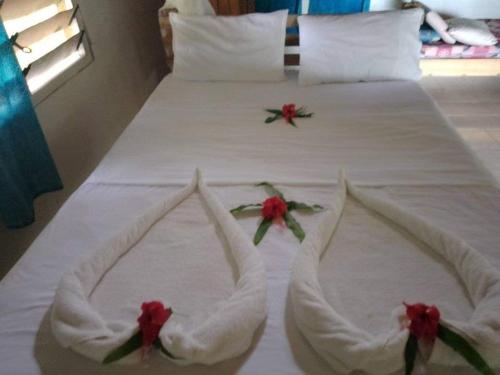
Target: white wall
[456,8]
[85,116]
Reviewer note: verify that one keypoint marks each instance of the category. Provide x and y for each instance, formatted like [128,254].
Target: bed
[441,59]
[420,162]
[390,139]
[441,50]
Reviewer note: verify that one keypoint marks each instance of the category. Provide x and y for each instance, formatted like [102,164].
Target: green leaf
[271,119]
[271,190]
[301,112]
[158,345]
[294,226]
[134,343]
[265,224]
[292,205]
[244,207]
[411,350]
[275,111]
[462,347]
[291,122]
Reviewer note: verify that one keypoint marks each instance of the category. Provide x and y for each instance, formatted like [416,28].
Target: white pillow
[372,46]
[471,32]
[242,48]
[435,21]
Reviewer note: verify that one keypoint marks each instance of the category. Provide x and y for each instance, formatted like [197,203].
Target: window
[49,41]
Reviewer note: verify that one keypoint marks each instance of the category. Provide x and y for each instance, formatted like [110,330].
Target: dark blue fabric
[428,35]
[315,6]
[26,166]
[272,5]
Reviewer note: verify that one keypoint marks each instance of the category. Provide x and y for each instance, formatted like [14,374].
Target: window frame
[67,74]
[62,78]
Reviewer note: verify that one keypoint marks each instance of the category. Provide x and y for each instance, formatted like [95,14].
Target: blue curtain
[26,166]
[315,6]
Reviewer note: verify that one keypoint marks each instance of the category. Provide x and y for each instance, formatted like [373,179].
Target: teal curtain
[26,166]
[338,7]
[264,6]
[315,6]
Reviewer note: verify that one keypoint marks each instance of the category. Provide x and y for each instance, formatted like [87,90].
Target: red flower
[289,112]
[154,315]
[274,208]
[424,321]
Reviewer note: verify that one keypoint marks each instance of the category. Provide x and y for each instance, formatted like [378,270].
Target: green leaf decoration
[158,345]
[275,111]
[271,119]
[134,343]
[244,207]
[292,205]
[462,347]
[301,112]
[278,113]
[411,350]
[264,225]
[271,190]
[294,226]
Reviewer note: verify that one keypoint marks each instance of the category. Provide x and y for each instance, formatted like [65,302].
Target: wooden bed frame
[292,56]
[430,67]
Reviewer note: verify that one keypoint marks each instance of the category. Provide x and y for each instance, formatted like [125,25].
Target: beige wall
[84,117]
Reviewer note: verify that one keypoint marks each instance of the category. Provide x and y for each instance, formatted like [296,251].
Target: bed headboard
[166,35]
[292,54]
[292,57]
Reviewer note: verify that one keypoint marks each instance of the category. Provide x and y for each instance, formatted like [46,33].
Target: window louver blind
[47,37]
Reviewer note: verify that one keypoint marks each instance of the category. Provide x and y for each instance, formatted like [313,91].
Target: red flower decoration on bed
[424,321]
[154,316]
[274,208]
[425,325]
[288,112]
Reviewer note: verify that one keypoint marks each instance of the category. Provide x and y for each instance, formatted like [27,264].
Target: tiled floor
[472,104]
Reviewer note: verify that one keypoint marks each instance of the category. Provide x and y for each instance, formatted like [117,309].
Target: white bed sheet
[383,133]
[130,180]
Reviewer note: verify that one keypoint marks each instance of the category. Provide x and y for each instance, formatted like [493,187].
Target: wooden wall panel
[214,4]
[233,7]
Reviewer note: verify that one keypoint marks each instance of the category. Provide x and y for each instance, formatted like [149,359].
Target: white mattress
[389,136]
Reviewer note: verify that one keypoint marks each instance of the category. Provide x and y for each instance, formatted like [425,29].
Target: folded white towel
[348,348]
[225,333]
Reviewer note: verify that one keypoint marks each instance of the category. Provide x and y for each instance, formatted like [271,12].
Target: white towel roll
[348,348]
[225,333]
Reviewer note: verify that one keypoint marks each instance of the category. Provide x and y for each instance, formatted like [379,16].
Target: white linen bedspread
[388,135]
[382,133]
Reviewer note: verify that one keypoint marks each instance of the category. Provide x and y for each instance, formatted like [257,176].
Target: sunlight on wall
[37,82]
[45,45]
[22,23]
